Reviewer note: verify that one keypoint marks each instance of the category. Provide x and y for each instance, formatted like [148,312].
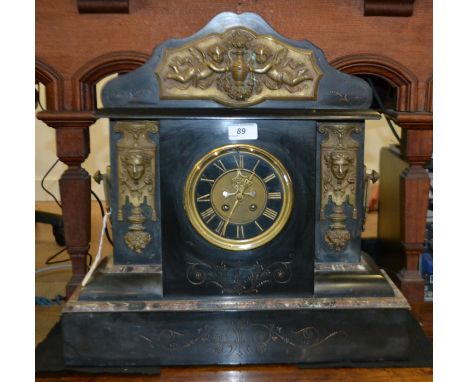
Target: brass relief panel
[238,68]
[136,156]
[338,161]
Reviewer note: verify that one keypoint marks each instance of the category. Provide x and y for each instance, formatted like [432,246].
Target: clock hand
[253,170]
[249,182]
[226,194]
[250,193]
[223,231]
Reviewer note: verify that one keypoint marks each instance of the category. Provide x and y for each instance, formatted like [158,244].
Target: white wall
[377,135]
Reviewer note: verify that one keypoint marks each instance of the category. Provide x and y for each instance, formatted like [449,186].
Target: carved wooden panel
[401,78]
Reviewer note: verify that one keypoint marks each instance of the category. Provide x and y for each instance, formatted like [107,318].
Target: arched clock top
[237,61]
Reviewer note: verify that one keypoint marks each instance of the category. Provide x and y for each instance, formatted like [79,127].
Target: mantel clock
[237,186]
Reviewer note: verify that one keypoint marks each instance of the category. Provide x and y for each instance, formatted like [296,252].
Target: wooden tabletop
[255,374]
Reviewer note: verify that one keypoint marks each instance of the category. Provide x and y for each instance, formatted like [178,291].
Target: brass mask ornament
[136,172]
[238,68]
[338,180]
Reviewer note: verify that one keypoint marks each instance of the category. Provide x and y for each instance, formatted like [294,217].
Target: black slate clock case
[293,143]
[164,281]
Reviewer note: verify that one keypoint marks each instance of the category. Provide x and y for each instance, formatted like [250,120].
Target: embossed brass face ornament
[238,68]
[238,197]
[136,173]
[338,180]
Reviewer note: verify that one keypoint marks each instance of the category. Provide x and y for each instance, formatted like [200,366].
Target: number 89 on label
[243,131]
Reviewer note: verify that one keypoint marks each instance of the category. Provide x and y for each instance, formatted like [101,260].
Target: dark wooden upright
[416,150]
[72,135]
[78,44]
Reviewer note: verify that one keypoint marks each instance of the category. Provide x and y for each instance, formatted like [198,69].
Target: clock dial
[238,197]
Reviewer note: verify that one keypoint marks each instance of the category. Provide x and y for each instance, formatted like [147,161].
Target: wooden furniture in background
[402,217]
[76,50]
[414,183]
[72,136]
[103,6]
[398,8]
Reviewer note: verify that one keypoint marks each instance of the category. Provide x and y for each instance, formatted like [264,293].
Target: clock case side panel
[151,254]
[193,266]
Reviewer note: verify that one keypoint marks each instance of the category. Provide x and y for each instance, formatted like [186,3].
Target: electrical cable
[43,179]
[382,110]
[101,207]
[89,256]
[50,262]
[38,100]
[99,252]
[53,268]
[49,259]
[388,270]
[392,128]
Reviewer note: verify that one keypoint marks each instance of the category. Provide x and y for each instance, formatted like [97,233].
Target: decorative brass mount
[338,179]
[136,156]
[238,68]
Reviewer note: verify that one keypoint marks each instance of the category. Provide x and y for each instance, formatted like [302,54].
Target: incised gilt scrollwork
[136,156]
[338,179]
[241,337]
[238,68]
[239,280]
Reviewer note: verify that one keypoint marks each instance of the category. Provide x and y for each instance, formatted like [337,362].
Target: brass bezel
[231,244]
